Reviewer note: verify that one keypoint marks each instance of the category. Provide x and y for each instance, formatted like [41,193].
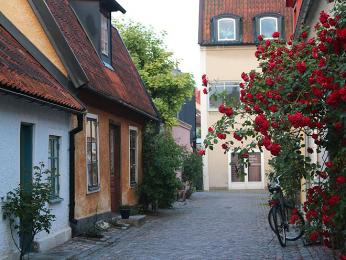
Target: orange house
[106,151]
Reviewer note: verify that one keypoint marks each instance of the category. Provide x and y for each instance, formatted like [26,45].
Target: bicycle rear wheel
[280,226]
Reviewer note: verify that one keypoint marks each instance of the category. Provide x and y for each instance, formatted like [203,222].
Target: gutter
[72,134]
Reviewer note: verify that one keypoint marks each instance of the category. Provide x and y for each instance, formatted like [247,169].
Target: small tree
[27,210]
[162,158]
[192,171]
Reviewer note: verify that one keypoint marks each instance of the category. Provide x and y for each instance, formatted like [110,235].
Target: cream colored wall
[223,63]
[19,12]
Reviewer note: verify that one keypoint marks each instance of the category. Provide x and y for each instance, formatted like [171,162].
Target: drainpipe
[72,134]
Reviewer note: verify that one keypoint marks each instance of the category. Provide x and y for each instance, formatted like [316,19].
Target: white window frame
[136,175]
[218,83]
[246,184]
[59,139]
[93,116]
[104,20]
[270,18]
[234,29]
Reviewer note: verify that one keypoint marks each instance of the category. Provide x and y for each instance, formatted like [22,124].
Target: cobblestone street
[213,225]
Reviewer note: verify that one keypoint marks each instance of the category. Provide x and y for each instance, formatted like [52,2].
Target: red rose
[245,77]
[229,111]
[260,38]
[222,108]
[221,136]
[329,164]
[313,236]
[310,150]
[314,136]
[204,80]
[301,67]
[201,152]
[338,125]
[340,179]
[275,149]
[304,35]
[224,146]
[276,34]
[210,130]
[334,199]
[269,81]
[236,136]
[273,108]
[205,91]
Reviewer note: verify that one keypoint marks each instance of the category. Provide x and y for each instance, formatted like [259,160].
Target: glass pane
[94,130]
[255,167]
[94,151]
[90,179]
[88,152]
[95,174]
[226,29]
[268,25]
[232,94]
[215,97]
[236,175]
[88,130]
[104,35]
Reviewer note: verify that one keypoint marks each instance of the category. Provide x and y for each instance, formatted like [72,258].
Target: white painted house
[35,122]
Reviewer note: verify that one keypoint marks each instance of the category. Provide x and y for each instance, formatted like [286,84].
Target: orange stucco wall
[88,203]
[19,12]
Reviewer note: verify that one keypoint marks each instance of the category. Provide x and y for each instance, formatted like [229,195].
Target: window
[223,92]
[92,153]
[251,173]
[268,25]
[104,35]
[133,152]
[226,29]
[53,164]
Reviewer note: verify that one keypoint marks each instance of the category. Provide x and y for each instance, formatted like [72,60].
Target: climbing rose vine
[297,95]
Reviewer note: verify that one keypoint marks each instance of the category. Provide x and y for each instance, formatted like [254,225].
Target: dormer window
[268,23]
[104,35]
[226,29]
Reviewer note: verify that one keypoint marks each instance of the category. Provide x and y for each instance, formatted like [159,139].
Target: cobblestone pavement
[212,225]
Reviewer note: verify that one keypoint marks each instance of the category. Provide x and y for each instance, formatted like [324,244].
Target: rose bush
[299,93]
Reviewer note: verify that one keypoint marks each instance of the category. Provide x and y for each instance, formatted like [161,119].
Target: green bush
[27,210]
[162,157]
[193,171]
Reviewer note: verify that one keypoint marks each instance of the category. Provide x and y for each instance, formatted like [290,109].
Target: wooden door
[255,174]
[26,158]
[114,160]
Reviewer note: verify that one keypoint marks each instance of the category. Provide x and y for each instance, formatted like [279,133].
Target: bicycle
[285,220]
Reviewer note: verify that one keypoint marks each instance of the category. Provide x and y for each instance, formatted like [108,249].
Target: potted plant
[125,211]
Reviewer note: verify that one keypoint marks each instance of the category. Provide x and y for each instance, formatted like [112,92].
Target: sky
[179,18]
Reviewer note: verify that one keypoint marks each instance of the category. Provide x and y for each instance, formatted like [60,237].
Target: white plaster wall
[47,121]
[223,63]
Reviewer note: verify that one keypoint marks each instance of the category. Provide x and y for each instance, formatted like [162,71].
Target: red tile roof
[124,83]
[21,73]
[246,9]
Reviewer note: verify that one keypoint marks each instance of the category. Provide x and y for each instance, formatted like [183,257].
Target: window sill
[56,200]
[108,66]
[133,185]
[93,189]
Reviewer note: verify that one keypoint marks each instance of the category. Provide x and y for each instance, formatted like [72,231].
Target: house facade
[98,117]
[228,33]
[35,112]
[108,150]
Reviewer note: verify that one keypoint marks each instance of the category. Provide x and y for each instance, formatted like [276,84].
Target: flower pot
[125,213]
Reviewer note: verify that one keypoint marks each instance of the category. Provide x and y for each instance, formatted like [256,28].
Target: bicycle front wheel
[280,226]
[295,223]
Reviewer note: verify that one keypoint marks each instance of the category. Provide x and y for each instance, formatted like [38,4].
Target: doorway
[26,166]
[114,161]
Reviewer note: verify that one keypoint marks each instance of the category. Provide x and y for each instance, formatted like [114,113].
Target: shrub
[27,211]
[162,158]
[192,171]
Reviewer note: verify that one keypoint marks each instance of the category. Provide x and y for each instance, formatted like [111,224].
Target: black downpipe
[72,134]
